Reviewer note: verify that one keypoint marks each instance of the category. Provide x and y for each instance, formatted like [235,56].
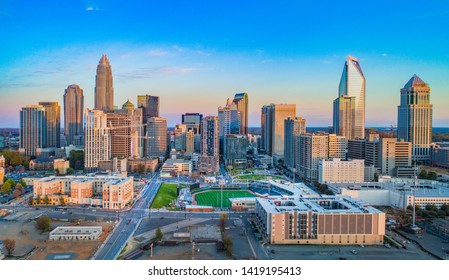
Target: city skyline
[176,62]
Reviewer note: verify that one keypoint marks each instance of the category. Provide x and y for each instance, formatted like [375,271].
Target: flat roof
[76,230]
[319,205]
[424,188]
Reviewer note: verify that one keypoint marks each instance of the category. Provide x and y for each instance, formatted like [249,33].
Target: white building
[97,146]
[178,166]
[395,192]
[76,233]
[341,171]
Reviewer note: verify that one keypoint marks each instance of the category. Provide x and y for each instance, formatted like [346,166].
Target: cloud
[92,9]
[384,54]
[157,53]
[266,61]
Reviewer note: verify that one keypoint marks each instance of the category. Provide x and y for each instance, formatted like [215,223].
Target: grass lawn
[165,195]
[213,198]
[257,177]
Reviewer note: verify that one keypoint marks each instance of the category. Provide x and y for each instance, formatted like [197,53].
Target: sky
[195,54]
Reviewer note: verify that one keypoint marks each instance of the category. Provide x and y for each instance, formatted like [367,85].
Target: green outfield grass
[213,198]
[257,177]
[165,195]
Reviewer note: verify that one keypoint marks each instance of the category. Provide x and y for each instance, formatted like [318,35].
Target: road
[128,223]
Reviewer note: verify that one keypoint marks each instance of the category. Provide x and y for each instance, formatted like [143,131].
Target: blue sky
[196,54]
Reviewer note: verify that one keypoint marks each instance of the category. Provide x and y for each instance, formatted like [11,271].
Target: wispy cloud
[148,73]
[157,53]
[384,54]
[92,9]
[266,61]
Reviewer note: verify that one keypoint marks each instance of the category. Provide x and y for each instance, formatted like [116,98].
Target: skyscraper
[104,89]
[267,132]
[53,124]
[312,148]
[190,141]
[150,105]
[97,139]
[344,115]
[241,100]
[33,128]
[193,121]
[156,137]
[292,127]
[280,112]
[73,115]
[208,161]
[352,83]
[415,118]
[229,121]
[234,149]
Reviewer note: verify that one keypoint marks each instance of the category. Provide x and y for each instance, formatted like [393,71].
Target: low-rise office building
[76,233]
[327,220]
[176,166]
[395,192]
[109,192]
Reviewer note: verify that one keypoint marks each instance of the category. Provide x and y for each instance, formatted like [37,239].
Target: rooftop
[415,81]
[320,205]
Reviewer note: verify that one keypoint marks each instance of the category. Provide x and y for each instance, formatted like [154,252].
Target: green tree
[9,245]
[46,200]
[70,171]
[432,176]
[422,174]
[11,182]
[38,200]
[43,223]
[76,159]
[22,182]
[6,188]
[159,234]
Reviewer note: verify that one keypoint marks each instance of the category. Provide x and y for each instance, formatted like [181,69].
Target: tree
[43,223]
[223,218]
[70,171]
[159,234]
[22,182]
[76,159]
[62,201]
[227,242]
[6,188]
[38,199]
[17,192]
[46,200]
[422,174]
[9,245]
[432,176]
[30,200]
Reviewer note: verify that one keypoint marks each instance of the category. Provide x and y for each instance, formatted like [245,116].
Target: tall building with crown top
[104,89]
[415,118]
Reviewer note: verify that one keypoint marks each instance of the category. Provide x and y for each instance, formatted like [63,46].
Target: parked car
[354,252]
